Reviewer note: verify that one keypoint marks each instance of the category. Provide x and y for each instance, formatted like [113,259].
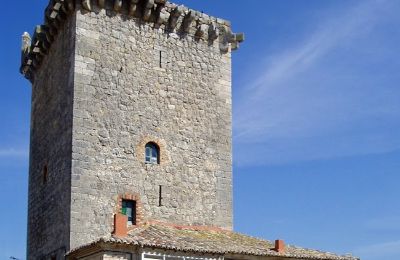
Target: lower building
[162,241]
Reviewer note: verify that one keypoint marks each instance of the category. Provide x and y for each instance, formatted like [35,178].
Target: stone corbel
[50,12]
[238,38]
[133,7]
[117,5]
[25,70]
[50,20]
[163,16]
[36,61]
[65,9]
[37,51]
[101,3]
[148,7]
[87,5]
[35,41]
[227,38]
[234,46]
[201,30]
[50,17]
[69,6]
[213,32]
[230,39]
[47,30]
[62,15]
[39,40]
[174,17]
[224,47]
[54,24]
[48,38]
[57,6]
[51,29]
[187,21]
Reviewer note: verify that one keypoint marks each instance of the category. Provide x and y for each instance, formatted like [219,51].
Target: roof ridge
[195,239]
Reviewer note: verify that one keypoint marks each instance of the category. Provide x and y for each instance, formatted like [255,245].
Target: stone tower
[115,82]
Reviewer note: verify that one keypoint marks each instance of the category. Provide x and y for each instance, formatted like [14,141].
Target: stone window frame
[135,197]
[140,151]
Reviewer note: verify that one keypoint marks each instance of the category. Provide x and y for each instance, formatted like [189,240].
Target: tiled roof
[213,242]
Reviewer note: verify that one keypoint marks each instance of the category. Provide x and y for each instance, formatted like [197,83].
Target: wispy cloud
[320,97]
[333,32]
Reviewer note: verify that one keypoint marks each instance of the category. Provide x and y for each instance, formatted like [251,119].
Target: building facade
[131,132]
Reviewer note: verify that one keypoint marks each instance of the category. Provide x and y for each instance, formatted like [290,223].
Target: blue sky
[316,123]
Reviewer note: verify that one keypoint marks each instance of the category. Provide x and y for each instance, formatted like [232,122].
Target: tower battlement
[174,20]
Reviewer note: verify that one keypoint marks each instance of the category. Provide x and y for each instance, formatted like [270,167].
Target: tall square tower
[131,112]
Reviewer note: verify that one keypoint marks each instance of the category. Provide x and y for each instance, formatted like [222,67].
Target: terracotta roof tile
[214,242]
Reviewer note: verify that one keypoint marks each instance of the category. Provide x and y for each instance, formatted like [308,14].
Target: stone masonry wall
[124,96]
[51,148]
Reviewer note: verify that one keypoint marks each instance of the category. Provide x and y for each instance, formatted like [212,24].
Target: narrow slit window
[160,196]
[152,153]
[161,61]
[129,209]
[45,174]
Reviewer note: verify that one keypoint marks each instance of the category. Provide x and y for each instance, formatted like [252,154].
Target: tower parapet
[174,20]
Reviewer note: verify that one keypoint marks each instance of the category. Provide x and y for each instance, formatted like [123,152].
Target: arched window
[152,153]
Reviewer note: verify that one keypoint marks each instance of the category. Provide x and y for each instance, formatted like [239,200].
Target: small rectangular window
[129,209]
[45,174]
[160,196]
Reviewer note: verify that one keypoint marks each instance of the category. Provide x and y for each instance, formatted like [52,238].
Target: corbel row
[175,19]
[55,14]
[178,19]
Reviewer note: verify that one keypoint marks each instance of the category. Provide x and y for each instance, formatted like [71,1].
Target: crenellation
[172,18]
